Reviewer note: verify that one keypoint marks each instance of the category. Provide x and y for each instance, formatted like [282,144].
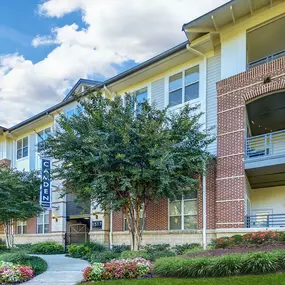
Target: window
[21,227]
[43,223]
[42,136]
[190,80]
[183,213]
[142,219]
[74,111]
[141,97]
[22,148]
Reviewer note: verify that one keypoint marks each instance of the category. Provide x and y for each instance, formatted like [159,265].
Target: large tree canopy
[124,154]
[19,192]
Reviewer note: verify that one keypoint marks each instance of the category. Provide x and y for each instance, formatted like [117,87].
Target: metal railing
[265,145]
[266,59]
[265,221]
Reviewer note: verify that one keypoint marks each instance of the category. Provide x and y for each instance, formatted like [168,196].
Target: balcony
[265,146]
[265,221]
[266,59]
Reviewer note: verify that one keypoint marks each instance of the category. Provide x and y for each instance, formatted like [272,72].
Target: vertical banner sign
[46,189]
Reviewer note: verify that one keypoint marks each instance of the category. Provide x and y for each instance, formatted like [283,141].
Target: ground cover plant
[118,269]
[14,273]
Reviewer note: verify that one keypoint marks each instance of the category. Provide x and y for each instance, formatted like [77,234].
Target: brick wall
[233,94]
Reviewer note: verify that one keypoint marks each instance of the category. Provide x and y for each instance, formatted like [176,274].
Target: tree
[19,192]
[124,154]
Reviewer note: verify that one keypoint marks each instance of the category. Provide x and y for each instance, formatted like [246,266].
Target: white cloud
[117,31]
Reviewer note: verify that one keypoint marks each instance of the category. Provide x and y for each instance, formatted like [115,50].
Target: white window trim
[23,157]
[191,102]
[42,130]
[21,224]
[43,224]
[182,214]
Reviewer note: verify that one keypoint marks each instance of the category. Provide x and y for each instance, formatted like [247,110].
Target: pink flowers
[118,269]
[11,273]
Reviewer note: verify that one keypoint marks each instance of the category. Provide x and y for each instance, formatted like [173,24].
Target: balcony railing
[265,221]
[265,145]
[266,59]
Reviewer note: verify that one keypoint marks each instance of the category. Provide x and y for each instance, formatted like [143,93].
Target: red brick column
[233,94]
[157,216]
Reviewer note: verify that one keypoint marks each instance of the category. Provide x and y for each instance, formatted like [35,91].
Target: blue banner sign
[46,189]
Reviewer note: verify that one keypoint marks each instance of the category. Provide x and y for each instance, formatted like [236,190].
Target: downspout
[111,229]
[204,188]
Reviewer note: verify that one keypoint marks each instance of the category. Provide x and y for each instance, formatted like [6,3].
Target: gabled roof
[81,81]
[3,128]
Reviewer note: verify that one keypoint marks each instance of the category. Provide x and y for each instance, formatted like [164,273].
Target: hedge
[48,247]
[221,266]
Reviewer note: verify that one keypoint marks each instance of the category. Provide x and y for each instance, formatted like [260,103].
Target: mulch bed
[218,252]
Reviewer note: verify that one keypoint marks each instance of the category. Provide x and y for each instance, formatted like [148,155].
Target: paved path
[61,270]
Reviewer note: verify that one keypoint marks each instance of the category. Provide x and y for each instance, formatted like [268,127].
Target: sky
[46,46]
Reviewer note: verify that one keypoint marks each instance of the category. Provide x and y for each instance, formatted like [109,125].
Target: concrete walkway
[61,270]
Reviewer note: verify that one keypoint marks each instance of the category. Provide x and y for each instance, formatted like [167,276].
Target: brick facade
[233,94]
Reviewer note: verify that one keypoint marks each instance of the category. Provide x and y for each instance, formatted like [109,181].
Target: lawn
[270,279]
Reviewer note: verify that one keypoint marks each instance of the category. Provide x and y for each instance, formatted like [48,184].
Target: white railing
[266,59]
[265,145]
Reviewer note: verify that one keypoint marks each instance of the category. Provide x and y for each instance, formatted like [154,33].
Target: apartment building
[232,66]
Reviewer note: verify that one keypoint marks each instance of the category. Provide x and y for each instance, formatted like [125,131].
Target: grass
[270,279]
[38,264]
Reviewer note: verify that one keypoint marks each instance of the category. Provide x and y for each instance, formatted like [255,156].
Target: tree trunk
[9,235]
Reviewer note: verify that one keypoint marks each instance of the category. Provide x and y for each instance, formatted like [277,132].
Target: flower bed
[250,240]
[118,269]
[11,273]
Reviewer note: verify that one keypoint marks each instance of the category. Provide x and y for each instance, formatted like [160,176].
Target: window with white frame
[184,86]
[43,222]
[74,111]
[183,213]
[141,97]
[21,227]
[42,136]
[142,221]
[22,148]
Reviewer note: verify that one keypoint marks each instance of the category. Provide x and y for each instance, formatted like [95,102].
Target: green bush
[182,248]
[48,247]
[120,248]
[103,256]
[237,238]
[221,266]
[152,256]
[134,254]
[78,251]
[156,247]
[96,246]
[37,263]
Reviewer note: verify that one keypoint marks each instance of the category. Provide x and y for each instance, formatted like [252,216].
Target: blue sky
[47,45]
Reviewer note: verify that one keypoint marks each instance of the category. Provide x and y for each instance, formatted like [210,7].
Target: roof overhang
[227,14]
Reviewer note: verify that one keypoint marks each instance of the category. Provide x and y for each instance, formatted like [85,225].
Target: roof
[79,82]
[226,14]
[98,85]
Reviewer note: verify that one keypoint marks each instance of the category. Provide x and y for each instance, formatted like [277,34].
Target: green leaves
[113,153]
[19,193]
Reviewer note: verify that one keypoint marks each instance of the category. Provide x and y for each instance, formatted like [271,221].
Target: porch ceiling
[267,176]
[267,114]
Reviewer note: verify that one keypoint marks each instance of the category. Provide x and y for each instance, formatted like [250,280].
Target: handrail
[265,145]
[266,59]
[265,221]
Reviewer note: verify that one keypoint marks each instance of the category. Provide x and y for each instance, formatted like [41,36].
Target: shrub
[118,269]
[36,263]
[259,238]
[48,247]
[11,273]
[120,248]
[221,266]
[78,251]
[181,249]
[96,246]
[134,254]
[156,247]
[159,254]
[223,242]
[237,238]
[103,256]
